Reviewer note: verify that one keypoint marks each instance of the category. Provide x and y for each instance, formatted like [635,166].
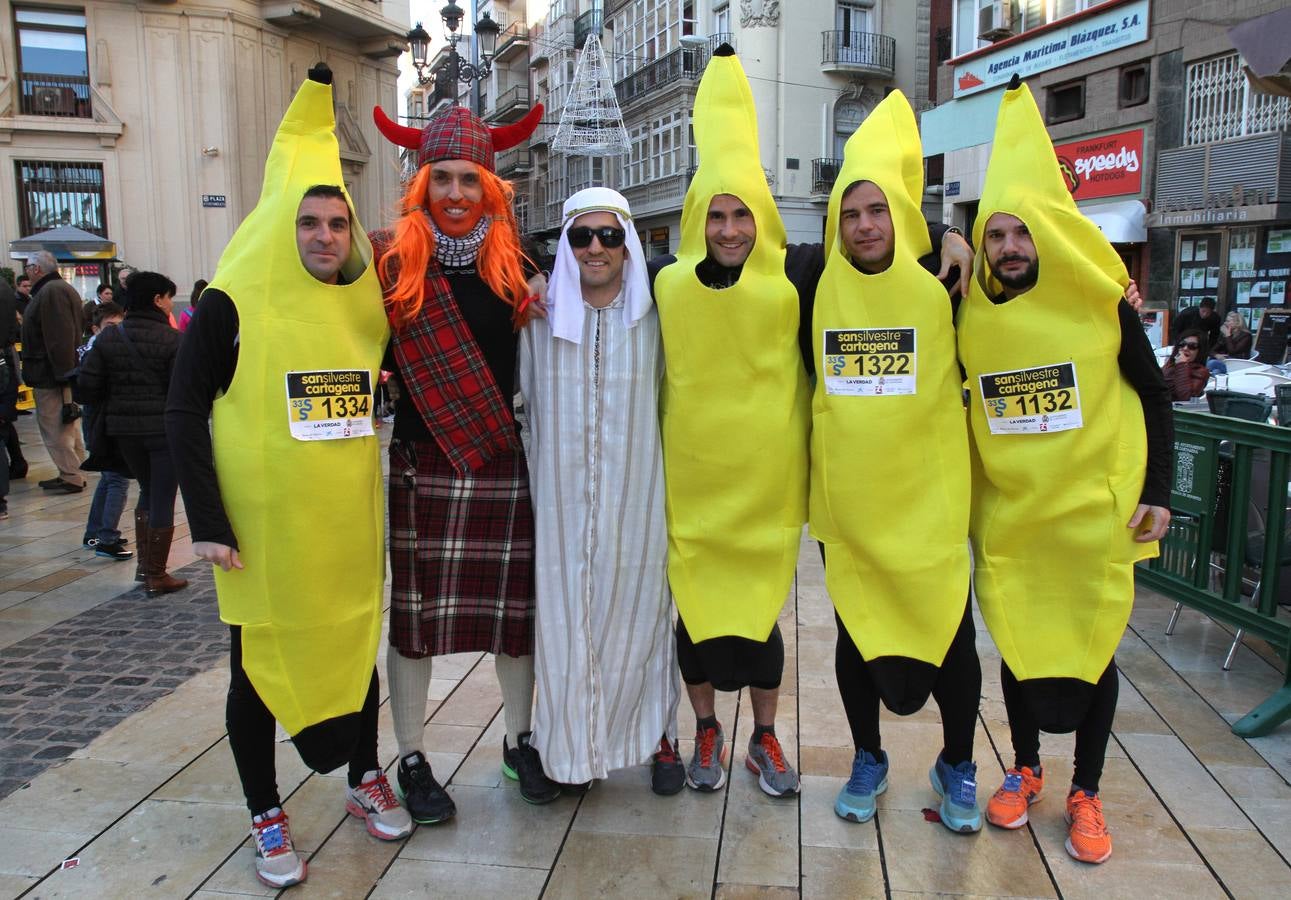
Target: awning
[68,244]
[1121,223]
[1265,45]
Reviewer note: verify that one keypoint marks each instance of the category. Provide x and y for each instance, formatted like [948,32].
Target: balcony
[67,96]
[516,161]
[511,105]
[858,53]
[363,21]
[587,23]
[824,172]
[682,65]
[512,42]
[558,35]
[658,195]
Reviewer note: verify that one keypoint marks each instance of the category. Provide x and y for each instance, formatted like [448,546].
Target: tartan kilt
[461,554]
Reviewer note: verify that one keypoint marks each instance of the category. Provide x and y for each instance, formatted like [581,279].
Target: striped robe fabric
[607,684]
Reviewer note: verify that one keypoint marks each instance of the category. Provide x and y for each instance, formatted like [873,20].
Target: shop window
[53,65]
[59,193]
[1065,102]
[1134,85]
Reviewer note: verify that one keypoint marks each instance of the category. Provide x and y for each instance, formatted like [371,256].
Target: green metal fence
[1222,514]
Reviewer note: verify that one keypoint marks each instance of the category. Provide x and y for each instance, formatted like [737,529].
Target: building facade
[1162,139]
[149,123]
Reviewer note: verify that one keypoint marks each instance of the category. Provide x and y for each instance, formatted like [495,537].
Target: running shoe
[667,774]
[1021,787]
[374,802]
[766,760]
[957,787]
[857,800]
[113,551]
[1088,839]
[277,863]
[523,764]
[427,801]
[705,772]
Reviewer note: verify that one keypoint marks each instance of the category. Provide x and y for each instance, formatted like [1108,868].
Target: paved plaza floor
[116,778]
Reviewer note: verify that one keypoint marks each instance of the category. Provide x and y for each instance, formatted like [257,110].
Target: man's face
[107,323]
[323,236]
[31,273]
[865,226]
[23,284]
[730,231]
[105,295]
[1206,311]
[124,275]
[598,266]
[456,196]
[1011,253]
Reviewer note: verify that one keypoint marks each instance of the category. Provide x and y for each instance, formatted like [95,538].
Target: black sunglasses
[1190,345]
[609,236]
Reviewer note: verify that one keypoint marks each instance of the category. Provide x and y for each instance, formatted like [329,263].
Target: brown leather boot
[157,580]
[140,544]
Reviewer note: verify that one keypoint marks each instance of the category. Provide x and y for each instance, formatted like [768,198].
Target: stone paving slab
[64,686]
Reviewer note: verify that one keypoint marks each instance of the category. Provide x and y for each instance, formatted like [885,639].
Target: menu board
[1271,339]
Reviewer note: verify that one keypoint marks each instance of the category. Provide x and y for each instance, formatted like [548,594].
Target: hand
[222,555]
[955,251]
[538,291]
[1133,297]
[1150,523]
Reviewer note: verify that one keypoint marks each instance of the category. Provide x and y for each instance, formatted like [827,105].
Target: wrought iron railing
[512,97]
[684,63]
[824,172]
[1220,103]
[862,49]
[54,95]
[512,36]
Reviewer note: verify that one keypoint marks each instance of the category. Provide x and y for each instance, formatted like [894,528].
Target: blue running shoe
[855,801]
[957,788]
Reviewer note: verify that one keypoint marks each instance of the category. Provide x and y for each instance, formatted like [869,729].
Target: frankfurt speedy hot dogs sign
[1104,166]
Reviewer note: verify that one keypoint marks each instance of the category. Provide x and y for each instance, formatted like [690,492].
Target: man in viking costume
[1071,439]
[890,470]
[589,373]
[461,526]
[280,360]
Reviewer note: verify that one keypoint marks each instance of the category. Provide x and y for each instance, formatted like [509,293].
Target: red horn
[508,136]
[400,135]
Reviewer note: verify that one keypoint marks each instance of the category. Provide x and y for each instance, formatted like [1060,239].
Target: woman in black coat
[128,369]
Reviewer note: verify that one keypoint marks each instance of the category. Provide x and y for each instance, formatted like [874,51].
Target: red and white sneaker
[374,802]
[277,863]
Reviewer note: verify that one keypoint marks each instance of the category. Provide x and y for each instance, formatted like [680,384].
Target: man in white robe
[606,668]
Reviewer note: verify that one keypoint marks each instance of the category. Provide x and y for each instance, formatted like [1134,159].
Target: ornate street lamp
[486,33]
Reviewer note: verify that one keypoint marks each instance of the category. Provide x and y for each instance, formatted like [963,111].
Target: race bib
[869,362]
[329,404]
[1032,401]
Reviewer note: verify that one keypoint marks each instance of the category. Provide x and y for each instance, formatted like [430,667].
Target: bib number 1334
[329,404]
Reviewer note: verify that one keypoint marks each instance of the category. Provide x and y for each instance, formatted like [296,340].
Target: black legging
[731,663]
[149,460]
[957,690]
[1092,731]
[251,735]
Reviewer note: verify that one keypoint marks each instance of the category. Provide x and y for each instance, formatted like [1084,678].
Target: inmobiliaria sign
[1104,166]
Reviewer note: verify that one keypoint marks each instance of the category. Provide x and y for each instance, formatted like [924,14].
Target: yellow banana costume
[734,404]
[1059,444]
[889,443]
[307,513]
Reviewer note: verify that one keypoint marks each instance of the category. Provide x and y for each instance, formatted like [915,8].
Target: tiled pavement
[151,807]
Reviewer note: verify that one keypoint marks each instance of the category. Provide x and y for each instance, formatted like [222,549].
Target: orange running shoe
[1088,839]
[1021,787]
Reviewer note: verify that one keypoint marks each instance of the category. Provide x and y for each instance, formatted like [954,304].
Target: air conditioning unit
[47,99]
[995,21]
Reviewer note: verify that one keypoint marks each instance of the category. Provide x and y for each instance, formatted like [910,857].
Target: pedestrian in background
[129,368]
[187,315]
[102,531]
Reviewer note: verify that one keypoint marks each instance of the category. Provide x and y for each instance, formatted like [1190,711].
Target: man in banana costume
[280,359]
[1071,439]
[735,313]
[890,470]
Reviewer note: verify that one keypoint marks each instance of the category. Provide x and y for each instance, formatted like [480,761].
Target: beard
[456,227]
[1021,281]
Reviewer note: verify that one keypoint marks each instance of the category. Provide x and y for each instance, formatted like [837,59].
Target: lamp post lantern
[457,69]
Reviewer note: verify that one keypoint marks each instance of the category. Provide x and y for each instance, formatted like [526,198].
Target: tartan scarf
[450,381]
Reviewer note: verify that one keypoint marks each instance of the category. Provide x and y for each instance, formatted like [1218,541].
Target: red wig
[500,262]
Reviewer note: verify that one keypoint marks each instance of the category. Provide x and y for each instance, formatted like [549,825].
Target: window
[1220,103]
[647,30]
[60,193]
[1066,103]
[1134,85]
[722,19]
[851,17]
[54,68]
[558,9]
